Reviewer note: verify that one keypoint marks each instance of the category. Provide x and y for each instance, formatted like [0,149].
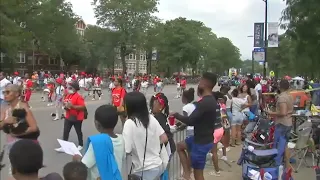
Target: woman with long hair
[17,120]
[143,135]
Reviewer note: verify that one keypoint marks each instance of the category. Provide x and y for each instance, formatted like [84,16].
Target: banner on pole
[258,35]
[273,37]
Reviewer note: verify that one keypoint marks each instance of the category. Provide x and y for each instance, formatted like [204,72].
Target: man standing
[204,119]
[3,83]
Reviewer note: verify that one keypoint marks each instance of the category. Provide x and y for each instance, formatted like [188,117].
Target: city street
[51,130]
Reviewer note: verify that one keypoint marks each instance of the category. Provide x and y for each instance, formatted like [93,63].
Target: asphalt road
[51,130]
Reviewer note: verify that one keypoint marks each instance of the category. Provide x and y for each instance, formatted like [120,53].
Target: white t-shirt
[189,108]
[59,90]
[82,83]
[159,84]
[144,84]
[68,80]
[134,135]
[90,161]
[257,89]
[237,104]
[16,80]
[3,83]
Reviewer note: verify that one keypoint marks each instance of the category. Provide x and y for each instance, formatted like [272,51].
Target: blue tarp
[316,94]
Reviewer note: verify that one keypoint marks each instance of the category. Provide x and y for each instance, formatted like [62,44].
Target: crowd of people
[216,117]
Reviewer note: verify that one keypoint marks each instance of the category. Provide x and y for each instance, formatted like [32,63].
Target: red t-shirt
[77,100]
[117,95]
[29,85]
[183,83]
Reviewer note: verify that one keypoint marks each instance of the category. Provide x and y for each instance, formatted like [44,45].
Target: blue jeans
[281,138]
[254,109]
[151,174]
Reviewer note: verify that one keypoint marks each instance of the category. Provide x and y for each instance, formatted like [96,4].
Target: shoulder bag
[134,176]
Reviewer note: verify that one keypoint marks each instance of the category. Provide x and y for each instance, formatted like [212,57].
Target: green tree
[301,20]
[129,17]
[101,43]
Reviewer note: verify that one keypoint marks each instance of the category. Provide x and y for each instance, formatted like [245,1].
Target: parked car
[224,80]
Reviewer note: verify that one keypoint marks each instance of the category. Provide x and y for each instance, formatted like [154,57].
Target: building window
[53,61]
[2,56]
[142,57]
[21,57]
[126,58]
[130,56]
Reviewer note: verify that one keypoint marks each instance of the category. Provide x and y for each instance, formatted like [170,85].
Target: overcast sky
[227,18]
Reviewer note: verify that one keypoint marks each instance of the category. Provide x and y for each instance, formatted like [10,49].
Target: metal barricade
[175,168]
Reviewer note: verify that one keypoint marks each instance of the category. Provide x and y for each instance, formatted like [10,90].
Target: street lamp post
[252,60]
[265,38]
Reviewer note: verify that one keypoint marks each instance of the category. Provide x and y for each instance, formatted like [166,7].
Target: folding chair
[302,145]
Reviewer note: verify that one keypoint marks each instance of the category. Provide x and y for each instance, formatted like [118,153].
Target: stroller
[258,161]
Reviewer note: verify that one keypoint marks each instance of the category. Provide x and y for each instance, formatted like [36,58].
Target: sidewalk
[235,172]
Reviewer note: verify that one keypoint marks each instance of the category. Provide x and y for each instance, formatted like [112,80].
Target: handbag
[134,176]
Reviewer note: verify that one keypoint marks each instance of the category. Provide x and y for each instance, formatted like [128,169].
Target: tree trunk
[123,50]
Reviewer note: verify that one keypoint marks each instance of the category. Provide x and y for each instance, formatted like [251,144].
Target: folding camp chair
[302,145]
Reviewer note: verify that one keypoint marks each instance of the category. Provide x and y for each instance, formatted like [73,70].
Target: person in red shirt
[76,112]
[50,86]
[155,81]
[27,89]
[183,84]
[117,96]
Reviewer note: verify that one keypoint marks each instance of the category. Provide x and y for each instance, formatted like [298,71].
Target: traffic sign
[258,50]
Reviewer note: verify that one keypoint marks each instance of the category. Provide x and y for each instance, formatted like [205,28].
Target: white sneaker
[93,99]
[56,119]
[59,150]
[224,158]
[214,173]
[100,98]
[80,148]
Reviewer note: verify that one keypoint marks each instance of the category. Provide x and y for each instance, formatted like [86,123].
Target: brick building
[29,61]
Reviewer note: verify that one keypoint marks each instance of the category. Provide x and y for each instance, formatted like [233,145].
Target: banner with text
[273,39]
[258,35]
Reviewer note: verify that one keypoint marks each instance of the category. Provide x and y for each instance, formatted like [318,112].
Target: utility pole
[265,38]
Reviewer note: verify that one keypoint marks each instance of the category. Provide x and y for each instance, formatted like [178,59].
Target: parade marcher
[51,88]
[183,84]
[3,83]
[59,95]
[27,89]
[117,96]
[97,82]
[144,86]
[16,78]
[76,112]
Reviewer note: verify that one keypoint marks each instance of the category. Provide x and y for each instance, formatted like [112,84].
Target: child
[59,92]
[160,109]
[75,171]
[218,134]
[182,149]
[105,151]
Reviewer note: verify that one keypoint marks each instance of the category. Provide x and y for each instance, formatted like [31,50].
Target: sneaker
[224,158]
[80,148]
[59,150]
[93,99]
[100,98]
[56,119]
[214,173]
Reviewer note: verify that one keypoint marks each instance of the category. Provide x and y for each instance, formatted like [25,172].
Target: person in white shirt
[144,86]
[106,118]
[143,135]
[258,90]
[16,78]
[3,83]
[159,86]
[59,93]
[69,79]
